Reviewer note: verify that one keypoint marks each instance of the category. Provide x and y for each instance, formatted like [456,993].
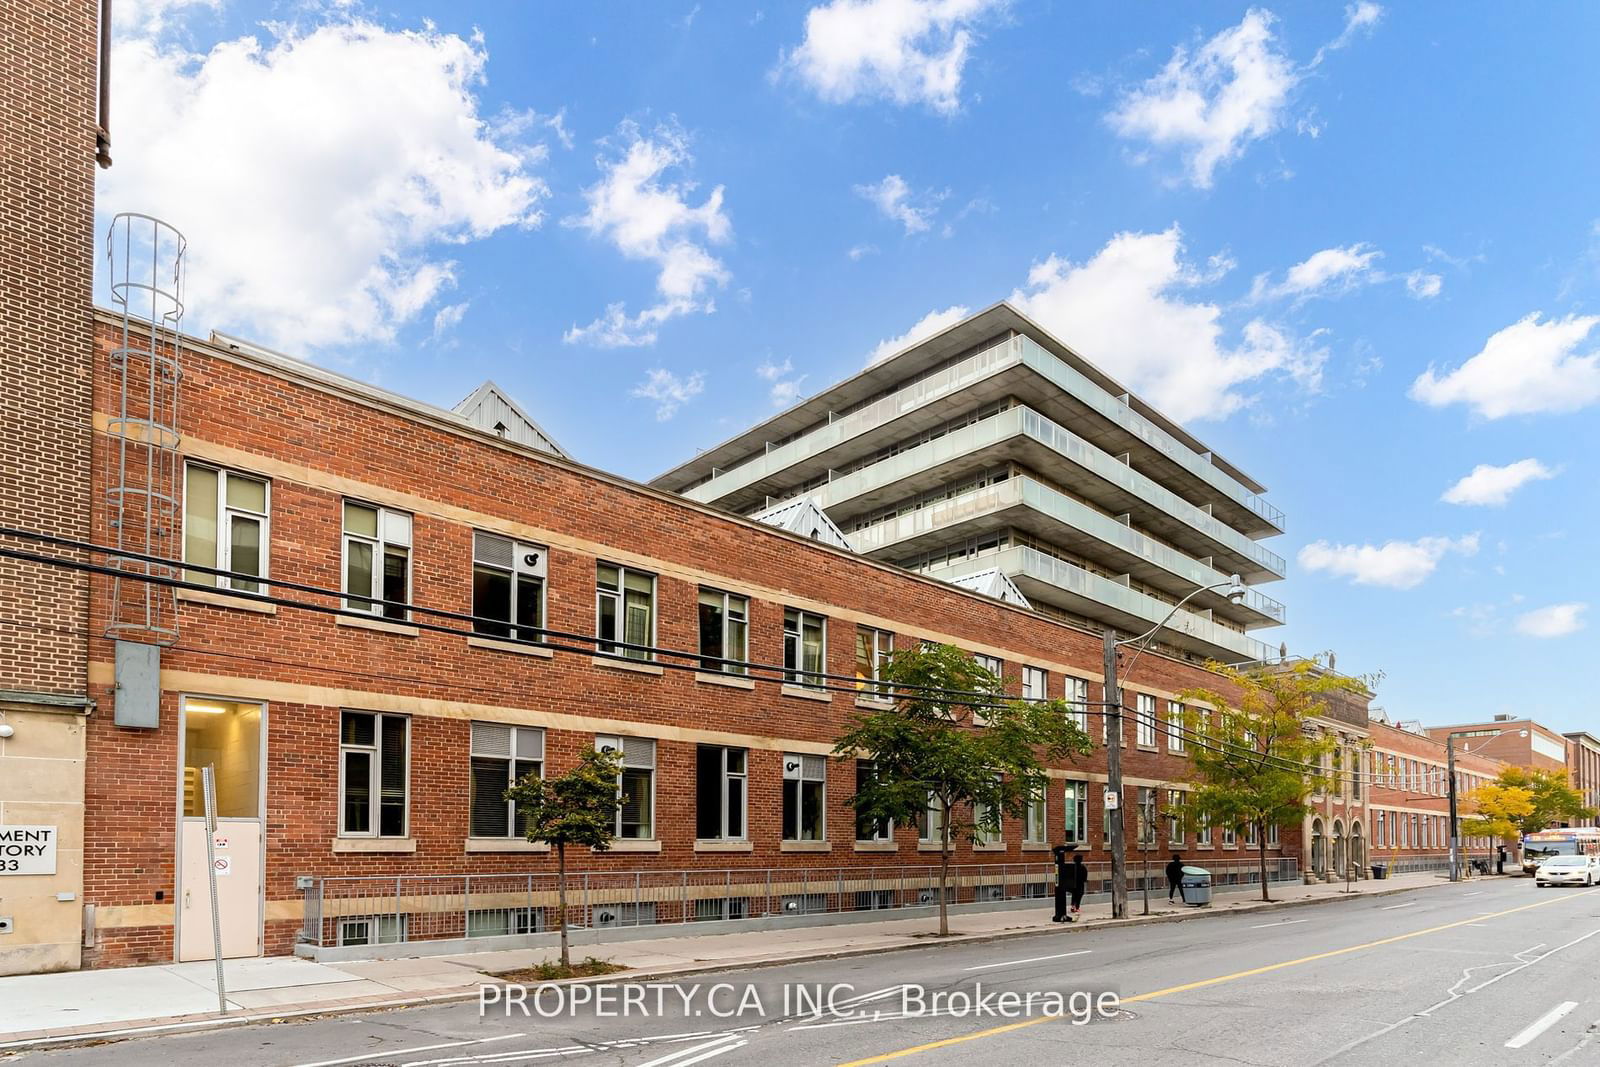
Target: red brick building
[1518,742]
[1409,800]
[361,747]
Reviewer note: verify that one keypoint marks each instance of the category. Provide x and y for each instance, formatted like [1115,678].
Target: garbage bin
[1380,870]
[1196,887]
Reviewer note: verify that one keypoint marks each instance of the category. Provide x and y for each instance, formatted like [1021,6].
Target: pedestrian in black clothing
[1062,875]
[1174,876]
[1079,881]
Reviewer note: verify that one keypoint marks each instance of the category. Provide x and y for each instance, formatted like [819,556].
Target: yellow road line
[1204,982]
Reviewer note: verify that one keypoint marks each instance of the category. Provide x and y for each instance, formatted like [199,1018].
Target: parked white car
[1568,870]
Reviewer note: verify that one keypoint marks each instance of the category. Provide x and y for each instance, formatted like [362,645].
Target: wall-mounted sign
[224,866]
[27,850]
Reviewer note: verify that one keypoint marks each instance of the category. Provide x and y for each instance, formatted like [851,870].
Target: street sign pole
[1113,815]
[209,782]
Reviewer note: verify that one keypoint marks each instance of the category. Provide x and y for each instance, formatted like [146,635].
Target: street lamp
[1113,708]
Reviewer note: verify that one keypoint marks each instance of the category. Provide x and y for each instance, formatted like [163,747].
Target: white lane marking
[1407,904]
[863,998]
[414,1048]
[1542,1023]
[1286,922]
[1035,959]
[567,1050]
[707,1049]
[1479,893]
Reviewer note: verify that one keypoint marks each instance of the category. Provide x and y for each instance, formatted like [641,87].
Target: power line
[593,644]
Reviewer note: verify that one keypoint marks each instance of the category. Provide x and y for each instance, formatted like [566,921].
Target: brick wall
[316,443]
[48,51]
[1410,787]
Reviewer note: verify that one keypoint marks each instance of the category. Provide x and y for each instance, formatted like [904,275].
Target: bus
[1576,841]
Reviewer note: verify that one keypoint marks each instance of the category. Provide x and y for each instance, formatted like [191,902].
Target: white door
[229,738]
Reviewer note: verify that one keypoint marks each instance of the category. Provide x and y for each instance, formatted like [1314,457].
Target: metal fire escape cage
[145,257]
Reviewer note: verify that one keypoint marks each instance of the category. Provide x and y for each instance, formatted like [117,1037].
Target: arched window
[1318,847]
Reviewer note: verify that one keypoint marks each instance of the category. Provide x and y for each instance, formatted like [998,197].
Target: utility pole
[1455,830]
[1113,712]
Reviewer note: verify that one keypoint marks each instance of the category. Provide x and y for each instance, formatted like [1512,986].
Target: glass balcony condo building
[993,456]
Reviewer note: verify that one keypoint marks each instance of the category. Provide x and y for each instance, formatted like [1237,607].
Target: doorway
[229,737]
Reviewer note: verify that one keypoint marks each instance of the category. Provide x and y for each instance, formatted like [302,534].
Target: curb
[217,1021]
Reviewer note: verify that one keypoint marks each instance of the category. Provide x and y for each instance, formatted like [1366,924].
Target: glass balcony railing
[1021,561]
[1007,352]
[1114,409]
[1064,509]
[1017,420]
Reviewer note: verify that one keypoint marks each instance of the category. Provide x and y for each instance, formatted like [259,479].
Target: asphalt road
[1492,971]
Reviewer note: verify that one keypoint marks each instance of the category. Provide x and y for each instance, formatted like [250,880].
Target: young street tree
[578,808]
[957,745]
[1498,811]
[1529,800]
[1257,758]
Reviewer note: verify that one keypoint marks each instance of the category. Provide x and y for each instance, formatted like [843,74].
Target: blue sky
[1355,249]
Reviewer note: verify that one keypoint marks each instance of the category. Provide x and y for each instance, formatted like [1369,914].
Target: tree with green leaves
[1259,756]
[1551,799]
[578,808]
[954,747]
[1498,811]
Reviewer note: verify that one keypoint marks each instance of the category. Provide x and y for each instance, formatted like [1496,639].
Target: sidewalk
[80,1005]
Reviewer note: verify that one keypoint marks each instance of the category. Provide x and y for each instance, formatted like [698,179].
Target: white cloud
[649,218]
[1394,564]
[927,326]
[905,51]
[448,318]
[1325,273]
[1424,285]
[149,18]
[310,234]
[785,388]
[770,371]
[1490,486]
[669,391]
[1358,18]
[1530,367]
[892,197]
[858,252]
[1126,311]
[1211,103]
[1557,620]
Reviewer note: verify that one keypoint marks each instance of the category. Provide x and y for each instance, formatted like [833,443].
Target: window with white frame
[1272,836]
[374,769]
[805,647]
[724,631]
[1035,683]
[507,587]
[377,559]
[981,833]
[872,655]
[1145,720]
[636,784]
[1202,830]
[1230,837]
[1175,726]
[1036,819]
[1175,802]
[869,828]
[721,792]
[930,824]
[225,525]
[500,757]
[1147,800]
[372,930]
[993,664]
[1077,697]
[1252,835]
[805,789]
[1075,813]
[625,610]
